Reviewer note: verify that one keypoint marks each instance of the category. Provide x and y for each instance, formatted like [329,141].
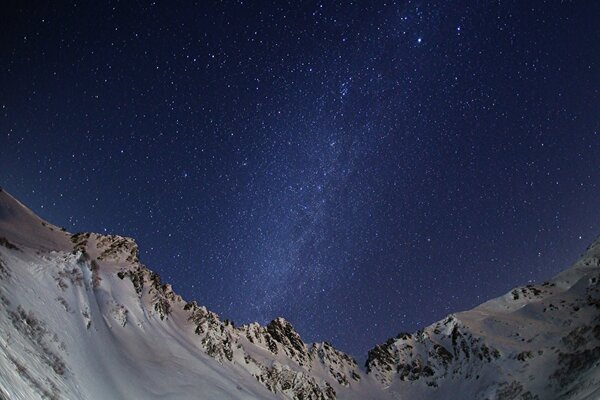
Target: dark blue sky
[360,169]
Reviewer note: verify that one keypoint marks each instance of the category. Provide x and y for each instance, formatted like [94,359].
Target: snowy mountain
[82,318]
[536,342]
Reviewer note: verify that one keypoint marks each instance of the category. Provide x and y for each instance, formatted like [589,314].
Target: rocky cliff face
[82,317]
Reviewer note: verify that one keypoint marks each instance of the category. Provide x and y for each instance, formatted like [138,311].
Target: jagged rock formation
[222,341]
[82,317]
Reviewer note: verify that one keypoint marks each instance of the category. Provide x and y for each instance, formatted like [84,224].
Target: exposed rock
[283,333]
[4,242]
[117,248]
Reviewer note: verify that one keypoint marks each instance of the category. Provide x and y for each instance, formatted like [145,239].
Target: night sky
[360,169]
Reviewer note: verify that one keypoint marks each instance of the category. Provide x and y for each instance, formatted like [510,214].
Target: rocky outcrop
[282,332]
[296,384]
[339,365]
[111,248]
[215,336]
[117,248]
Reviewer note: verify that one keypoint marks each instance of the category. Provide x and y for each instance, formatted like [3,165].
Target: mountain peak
[110,248]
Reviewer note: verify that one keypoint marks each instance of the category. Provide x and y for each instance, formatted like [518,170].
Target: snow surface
[82,318]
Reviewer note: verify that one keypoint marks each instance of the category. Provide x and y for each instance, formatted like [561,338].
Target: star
[318,167]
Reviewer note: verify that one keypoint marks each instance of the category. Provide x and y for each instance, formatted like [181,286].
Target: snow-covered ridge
[536,342]
[83,318]
[99,292]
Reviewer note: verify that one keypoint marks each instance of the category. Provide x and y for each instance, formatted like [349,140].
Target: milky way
[359,169]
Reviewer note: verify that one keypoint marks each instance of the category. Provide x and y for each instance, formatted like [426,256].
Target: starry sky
[359,168]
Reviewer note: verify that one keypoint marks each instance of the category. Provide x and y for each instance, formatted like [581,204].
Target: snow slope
[82,318]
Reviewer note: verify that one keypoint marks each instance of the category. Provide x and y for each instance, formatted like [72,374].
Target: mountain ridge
[98,289]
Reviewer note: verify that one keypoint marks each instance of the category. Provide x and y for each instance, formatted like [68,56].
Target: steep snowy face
[82,318]
[536,342]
